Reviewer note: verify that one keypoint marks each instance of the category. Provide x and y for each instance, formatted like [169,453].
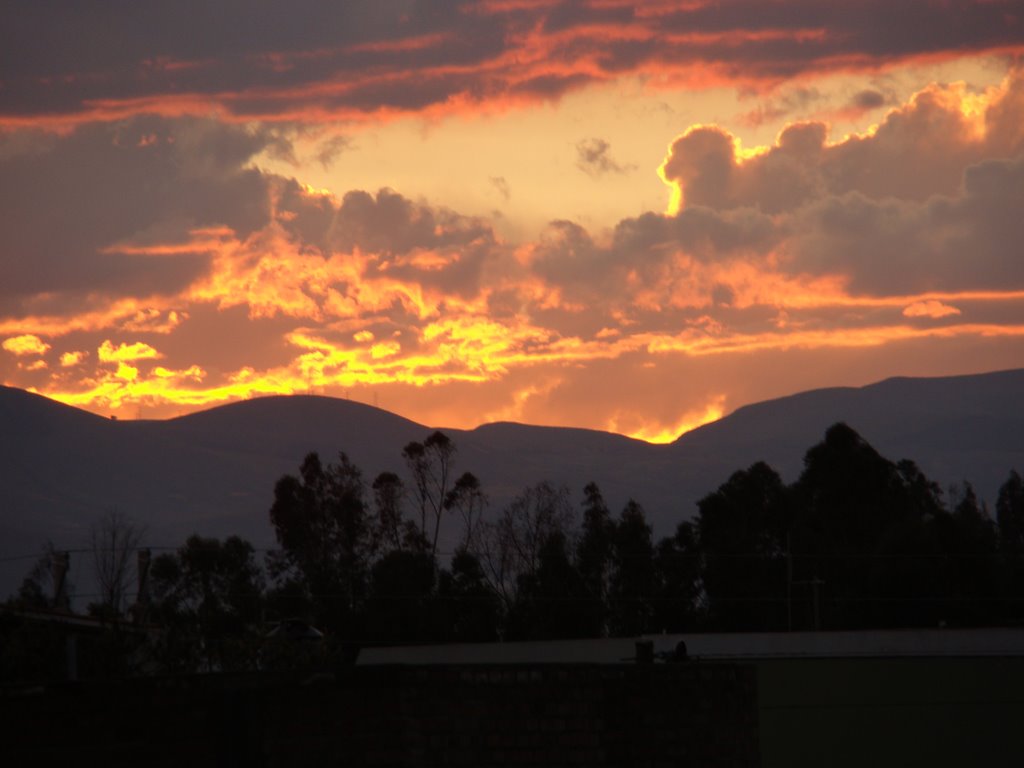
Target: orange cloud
[697,344]
[153,320]
[126,373]
[123,313]
[122,353]
[930,308]
[26,344]
[71,359]
[130,387]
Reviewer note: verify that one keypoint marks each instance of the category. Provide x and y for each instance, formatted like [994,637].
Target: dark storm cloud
[919,150]
[642,252]
[57,57]
[875,28]
[112,210]
[929,201]
[51,39]
[408,241]
[550,86]
[702,232]
[752,40]
[68,202]
[386,223]
[267,58]
[945,243]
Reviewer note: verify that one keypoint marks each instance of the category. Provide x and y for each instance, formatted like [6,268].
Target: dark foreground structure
[650,715]
[873,698]
[923,697]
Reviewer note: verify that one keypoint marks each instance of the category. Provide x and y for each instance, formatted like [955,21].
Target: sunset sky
[634,217]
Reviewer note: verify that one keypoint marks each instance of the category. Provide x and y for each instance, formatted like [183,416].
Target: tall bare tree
[469,500]
[430,464]
[114,540]
[391,531]
[509,549]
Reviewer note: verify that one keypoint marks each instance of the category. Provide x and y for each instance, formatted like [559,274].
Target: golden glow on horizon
[659,434]
[324,366]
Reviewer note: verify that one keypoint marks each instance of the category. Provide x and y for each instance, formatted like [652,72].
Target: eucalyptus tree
[430,464]
[320,520]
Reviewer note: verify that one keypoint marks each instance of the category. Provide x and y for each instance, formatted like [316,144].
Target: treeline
[857,541]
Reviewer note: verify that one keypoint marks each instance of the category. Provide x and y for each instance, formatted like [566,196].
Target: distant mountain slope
[956,428]
[213,472]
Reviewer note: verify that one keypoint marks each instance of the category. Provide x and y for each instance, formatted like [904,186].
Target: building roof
[718,646]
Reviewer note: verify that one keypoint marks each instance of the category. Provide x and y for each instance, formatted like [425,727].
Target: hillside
[213,472]
[956,428]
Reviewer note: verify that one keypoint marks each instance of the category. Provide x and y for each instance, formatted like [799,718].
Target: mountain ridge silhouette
[213,471]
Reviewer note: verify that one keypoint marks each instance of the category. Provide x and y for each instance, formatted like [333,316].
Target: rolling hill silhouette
[213,472]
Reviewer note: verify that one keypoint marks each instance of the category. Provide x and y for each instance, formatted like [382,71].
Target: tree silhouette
[742,529]
[551,599]
[468,499]
[38,590]
[320,522]
[679,581]
[469,610]
[510,546]
[1010,519]
[113,540]
[392,531]
[632,582]
[430,464]
[400,602]
[209,596]
[848,501]
[594,558]
[1010,515]
[969,572]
